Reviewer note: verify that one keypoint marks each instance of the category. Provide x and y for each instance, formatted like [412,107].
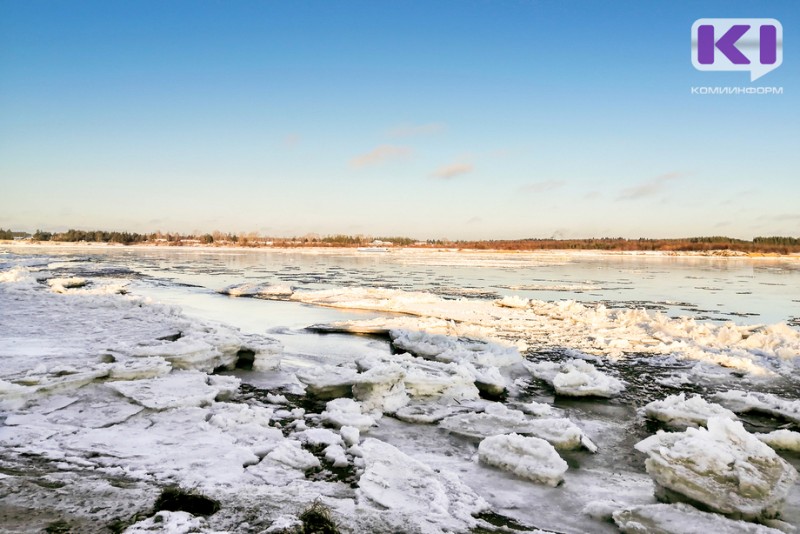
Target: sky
[459,119]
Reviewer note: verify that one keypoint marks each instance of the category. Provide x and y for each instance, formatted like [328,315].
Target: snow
[678,411]
[527,457]
[681,519]
[415,493]
[723,467]
[743,402]
[576,378]
[782,440]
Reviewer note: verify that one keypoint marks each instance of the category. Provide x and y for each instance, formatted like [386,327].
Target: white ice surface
[681,519]
[723,467]
[413,491]
[527,457]
[678,411]
[595,329]
[782,440]
[743,402]
[576,378]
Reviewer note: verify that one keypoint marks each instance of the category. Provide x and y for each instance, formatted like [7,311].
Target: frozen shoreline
[100,387]
[412,251]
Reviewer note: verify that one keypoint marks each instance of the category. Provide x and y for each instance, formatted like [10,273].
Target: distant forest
[774,244]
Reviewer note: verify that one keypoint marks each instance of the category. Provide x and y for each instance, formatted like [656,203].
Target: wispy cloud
[414,130]
[381,154]
[650,187]
[475,220]
[448,172]
[541,187]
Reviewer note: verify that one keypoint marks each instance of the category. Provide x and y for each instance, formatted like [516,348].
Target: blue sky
[458,119]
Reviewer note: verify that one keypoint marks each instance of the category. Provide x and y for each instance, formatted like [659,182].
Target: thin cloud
[475,220]
[448,172]
[650,187]
[381,154]
[541,187]
[415,130]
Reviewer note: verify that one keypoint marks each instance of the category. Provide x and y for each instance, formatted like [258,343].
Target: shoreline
[410,250]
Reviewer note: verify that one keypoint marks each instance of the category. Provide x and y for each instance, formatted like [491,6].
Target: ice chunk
[346,412]
[426,500]
[576,378]
[177,389]
[743,402]
[783,440]
[319,436]
[249,425]
[258,290]
[335,454]
[381,389]
[427,413]
[61,285]
[426,379]
[678,411]
[327,381]
[451,349]
[513,301]
[724,468]
[139,368]
[497,419]
[350,435]
[537,409]
[292,454]
[169,522]
[681,519]
[526,457]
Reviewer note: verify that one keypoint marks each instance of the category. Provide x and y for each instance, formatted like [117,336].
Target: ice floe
[497,419]
[782,440]
[527,457]
[346,412]
[724,468]
[258,289]
[681,518]
[576,378]
[678,411]
[767,403]
[179,389]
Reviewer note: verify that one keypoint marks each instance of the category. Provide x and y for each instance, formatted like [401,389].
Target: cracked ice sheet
[595,329]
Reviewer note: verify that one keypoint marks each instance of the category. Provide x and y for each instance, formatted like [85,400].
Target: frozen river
[455,343]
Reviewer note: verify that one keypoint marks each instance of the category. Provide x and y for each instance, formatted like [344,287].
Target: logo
[754,45]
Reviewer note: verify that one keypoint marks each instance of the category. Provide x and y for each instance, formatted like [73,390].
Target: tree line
[761,244]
